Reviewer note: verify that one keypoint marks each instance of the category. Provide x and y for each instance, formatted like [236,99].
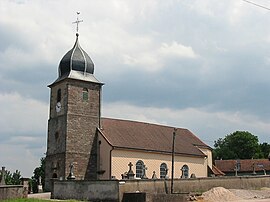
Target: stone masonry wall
[82,190]
[11,192]
[194,185]
[82,122]
[56,139]
[72,131]
[106,191]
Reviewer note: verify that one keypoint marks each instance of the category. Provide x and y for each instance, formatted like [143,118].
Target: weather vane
[78,21]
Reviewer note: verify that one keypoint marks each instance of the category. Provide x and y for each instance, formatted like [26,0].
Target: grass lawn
[31,200]
[25,199]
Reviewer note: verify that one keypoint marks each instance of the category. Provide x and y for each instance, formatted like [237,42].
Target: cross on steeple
[77,22]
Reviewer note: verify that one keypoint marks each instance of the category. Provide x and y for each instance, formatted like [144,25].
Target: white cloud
[144,61]
[176,50]
[23,132]
[230,10]
[18,157]
[22,115]
[156,58]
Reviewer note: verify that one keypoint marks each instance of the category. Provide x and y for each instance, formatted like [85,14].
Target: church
[101,148]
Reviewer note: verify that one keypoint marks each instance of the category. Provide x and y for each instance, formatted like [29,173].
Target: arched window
[59,95]
[85,94]
[163,170]
[139,169]
[185,171]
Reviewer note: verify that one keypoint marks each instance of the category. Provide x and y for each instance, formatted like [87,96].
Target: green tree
[265,148]
[38,172]
[237,145]
[13,178]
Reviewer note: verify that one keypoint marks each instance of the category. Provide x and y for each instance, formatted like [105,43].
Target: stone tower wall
[56,140]
[83,119]
[72,131]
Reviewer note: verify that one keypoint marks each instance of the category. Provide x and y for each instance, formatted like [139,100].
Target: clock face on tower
[58,107]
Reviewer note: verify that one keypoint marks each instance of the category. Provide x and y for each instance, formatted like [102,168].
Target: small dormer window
[59,95]
[85,94]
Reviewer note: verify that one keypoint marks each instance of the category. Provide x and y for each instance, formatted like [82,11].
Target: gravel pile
[219,194]
[263,193]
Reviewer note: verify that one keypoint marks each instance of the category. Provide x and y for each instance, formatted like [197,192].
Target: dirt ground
[221,194]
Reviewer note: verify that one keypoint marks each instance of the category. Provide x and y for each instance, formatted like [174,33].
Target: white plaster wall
[121,159]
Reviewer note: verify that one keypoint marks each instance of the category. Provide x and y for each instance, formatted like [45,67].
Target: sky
[200,65]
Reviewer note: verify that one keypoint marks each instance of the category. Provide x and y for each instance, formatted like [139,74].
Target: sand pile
[219,194]
[263,193]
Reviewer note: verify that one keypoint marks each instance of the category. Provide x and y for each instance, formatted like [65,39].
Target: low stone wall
[204,184]
[86,190]
[12,191]
[114,190]
[184,186]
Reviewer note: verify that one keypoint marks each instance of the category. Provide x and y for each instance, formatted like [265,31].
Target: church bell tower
[75,99]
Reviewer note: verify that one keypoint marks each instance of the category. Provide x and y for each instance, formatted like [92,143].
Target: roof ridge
[146,123]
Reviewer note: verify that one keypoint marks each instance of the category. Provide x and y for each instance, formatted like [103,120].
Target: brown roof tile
[246,165]
[216,171]
[150,137]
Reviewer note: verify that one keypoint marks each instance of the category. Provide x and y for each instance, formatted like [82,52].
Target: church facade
[149,148]
[102,148]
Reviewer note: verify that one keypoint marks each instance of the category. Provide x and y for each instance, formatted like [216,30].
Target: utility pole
[173,145]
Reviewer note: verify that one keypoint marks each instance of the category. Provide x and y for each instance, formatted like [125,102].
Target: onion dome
[76,60]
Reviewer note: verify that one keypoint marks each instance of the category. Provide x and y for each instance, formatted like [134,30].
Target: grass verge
[32,200]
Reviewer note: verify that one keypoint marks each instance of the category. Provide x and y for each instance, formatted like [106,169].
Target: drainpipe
[173,144]
[110,169]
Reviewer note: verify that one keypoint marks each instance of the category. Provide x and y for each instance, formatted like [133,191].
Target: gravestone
[130,174]
[154,176]
[40,189]
[124,176]
[193,175]
[166,175]
[144,172]
[71,175]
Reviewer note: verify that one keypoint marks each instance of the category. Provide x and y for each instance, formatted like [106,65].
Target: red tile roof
[246,165]
[150,137]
